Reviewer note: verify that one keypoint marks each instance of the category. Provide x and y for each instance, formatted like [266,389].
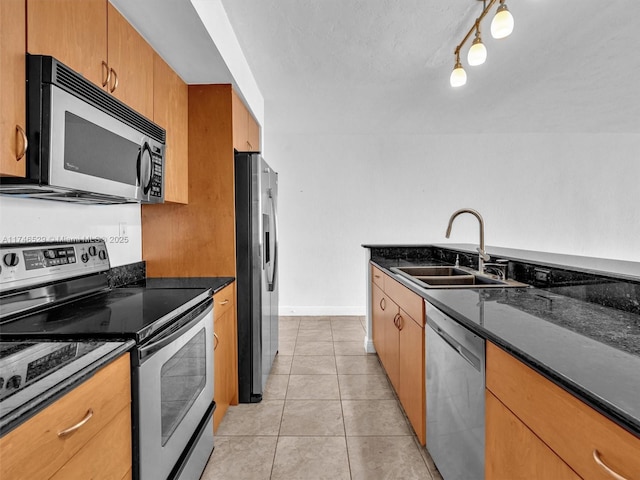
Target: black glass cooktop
[135,313]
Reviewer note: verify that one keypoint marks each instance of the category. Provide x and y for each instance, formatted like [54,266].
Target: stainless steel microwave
[85,146]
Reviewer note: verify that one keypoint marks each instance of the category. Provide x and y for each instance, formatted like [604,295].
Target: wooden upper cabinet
[170,111]
[94,39]
[73,31]
[130,60]
[246,131]
[12,88]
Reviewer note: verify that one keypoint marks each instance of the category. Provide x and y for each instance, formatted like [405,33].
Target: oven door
[173,378]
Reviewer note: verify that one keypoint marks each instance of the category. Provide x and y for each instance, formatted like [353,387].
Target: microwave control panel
[157,173]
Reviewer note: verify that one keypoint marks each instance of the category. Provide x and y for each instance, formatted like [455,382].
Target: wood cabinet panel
[106,456]
[131,61]
[240,123]
[170,111]
[412,380]
[379,304]
[207,224]
[12,88]
[225,354]
[572,429]
[391,336]
[106,393]
[514,452]
[73,31]
[253,134]
[412,303]
[377,277]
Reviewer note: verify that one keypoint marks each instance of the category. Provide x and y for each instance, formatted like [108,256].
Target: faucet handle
[485,256]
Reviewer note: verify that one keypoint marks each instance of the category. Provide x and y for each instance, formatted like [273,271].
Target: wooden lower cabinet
[573,430]
[106,456]
[412,379]
[398,338]
[36,450]
[225,390]
[514,452]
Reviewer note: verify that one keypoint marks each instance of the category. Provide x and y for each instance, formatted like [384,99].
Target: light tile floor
[328,412]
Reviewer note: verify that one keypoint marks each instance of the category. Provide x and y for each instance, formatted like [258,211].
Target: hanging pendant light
[478,52]
[458,76]
[502,23]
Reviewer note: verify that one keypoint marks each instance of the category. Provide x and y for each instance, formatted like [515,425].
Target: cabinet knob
[115,80]
[25,143]
[106,74]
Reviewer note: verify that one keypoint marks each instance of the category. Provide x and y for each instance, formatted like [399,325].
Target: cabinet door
[170,111]
[391,335]
[12,88]
[131,62]
[240,119]
[225,352]
[513,451]
[253,134]
[412,389]
[378,307]
[73,31]
[107,455]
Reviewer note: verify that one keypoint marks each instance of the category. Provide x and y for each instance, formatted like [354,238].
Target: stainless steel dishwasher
[455,368]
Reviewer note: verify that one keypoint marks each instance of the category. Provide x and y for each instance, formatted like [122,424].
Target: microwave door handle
[145,173]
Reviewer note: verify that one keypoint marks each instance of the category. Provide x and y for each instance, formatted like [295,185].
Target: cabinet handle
[216,340]
[400,322]
[395,320]
[224,302]
[605,467]
[25,143]
[383,303]
[75,427]
[105,68]
[115,81]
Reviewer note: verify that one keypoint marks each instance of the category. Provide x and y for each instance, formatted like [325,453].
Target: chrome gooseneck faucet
[483,257]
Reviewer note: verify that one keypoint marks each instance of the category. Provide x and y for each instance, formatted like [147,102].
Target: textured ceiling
[382,66]
[375,66]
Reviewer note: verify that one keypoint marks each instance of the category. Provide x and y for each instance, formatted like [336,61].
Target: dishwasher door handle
[469,357]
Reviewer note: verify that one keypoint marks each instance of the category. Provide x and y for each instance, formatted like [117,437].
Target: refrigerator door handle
[272,280]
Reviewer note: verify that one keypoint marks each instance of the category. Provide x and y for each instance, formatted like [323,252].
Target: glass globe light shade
[458,76]
[502,23]
[477,53]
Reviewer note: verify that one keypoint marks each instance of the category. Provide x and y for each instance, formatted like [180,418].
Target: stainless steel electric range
[59,292]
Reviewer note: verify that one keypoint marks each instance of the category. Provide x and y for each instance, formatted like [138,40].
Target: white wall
[33,220]
[575,193]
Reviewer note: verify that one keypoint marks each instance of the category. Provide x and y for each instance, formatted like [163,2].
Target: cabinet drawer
[568,426]
[106,394]
[410,302]
[223,301]
[377,277]
[107,455]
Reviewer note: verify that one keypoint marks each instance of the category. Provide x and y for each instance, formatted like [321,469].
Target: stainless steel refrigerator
[257,272]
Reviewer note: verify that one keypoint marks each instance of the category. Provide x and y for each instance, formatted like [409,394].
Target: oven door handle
[196,316]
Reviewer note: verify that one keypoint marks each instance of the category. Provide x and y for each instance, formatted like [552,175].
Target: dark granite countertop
[590,350]
[58,368]
[214,283]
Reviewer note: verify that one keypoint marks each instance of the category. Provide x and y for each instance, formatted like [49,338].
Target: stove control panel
[30,264]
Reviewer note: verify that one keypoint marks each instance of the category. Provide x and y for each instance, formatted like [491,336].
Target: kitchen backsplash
[29,220]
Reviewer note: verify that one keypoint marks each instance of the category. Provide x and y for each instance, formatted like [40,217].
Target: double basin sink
[452,277]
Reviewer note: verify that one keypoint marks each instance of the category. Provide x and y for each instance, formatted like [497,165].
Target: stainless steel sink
[452,277]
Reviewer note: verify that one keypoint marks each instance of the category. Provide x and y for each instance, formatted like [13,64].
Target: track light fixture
[501,27]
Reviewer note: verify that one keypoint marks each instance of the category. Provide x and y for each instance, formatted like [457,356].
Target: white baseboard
[288,311]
